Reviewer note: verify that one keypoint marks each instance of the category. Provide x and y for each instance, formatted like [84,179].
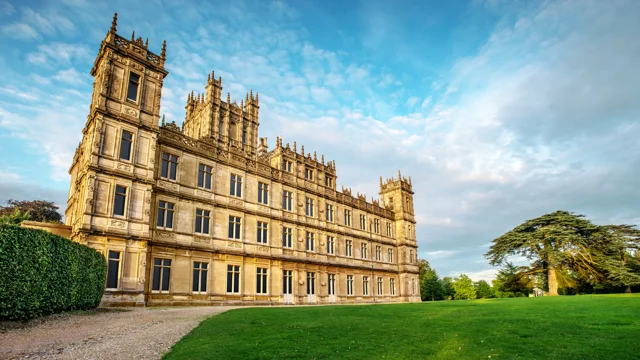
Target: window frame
[206,219]
[124,201]
[349,285]
[170,162]
[262,232]
[310,239]
[262,282]
[138,87]
[392,286]
[348,248]
[118,270]
[207,175]
[235,276]
[287,237]
[161,272]
[380,285]
[200,270]
[365,285]
[235,191]
[329,212]
[309,207]
[331,249]
[347,217]
[263,193]
[311,283]
[287,201]
[166,210]
[130,141]
[237,227]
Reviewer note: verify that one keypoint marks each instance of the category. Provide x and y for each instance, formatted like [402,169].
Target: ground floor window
[287,282]
[380,280]
[311,283]
[365,285]
[392,286]
[349,284]
[161,274]
[261,281]
[233,279]
[200,270]
[113,269]
[332,284]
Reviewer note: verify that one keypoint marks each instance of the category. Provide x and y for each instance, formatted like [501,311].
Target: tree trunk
[553,282]
[628,289]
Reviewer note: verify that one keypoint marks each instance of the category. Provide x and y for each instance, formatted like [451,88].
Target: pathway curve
[140,333]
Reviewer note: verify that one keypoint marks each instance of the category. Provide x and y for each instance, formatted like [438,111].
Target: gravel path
[141,333]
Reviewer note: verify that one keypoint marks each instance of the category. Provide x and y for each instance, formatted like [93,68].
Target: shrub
[42,273]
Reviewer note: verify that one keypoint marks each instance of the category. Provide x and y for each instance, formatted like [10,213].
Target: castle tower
[233,125]
[113,168]
[397,195]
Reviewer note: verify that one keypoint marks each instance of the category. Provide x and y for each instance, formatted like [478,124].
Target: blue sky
[500,111]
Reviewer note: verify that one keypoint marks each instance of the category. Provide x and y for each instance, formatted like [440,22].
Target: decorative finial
[162,119]
[114,23]
[399,176]
[183,126]
[322,159]
[208,78]
[315,158]
[163,52]
[246,96]
[146,43]
[294,147]
[380,180]
[251,94]
[229,98]
[257,98]
[241,104]
[302,152]
[133,35]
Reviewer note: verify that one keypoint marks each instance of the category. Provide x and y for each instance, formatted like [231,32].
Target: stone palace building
[208,214]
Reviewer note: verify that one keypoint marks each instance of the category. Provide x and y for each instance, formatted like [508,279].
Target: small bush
[42,273]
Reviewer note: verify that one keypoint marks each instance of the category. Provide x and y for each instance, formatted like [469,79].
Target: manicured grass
[566,327]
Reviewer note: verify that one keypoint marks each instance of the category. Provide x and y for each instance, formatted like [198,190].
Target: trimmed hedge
[42,273]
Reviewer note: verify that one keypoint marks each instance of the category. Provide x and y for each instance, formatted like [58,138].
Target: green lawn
[566,327]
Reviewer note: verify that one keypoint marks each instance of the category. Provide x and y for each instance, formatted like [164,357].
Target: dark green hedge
[42,273]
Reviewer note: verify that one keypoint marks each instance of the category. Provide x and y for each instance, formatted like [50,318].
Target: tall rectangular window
[308,209]
[125,145]
[378,253]
[263,228]
[261,280]
[390,255]
[331,284]
[236,185]
[287,282]
[380,280]
[169,167]
[329,212]
[287,198]
[311,241]
[263,193]
[389,232]
[203,218]
[311,283]
[348,248]
[234,227]
[286,166]
[286,237]
[113,269]
[199,283]
[119,200]
[330,245]
[392,286]
[349,284]
[347,217]
[308,173]
[365,285]
[363,222]
[161,274]
[233,279]
[328,181]
[363,250]
[204,176]
[132,89]
[165,215]
[376,226]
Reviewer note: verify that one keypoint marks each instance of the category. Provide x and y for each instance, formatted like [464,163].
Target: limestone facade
[207,214]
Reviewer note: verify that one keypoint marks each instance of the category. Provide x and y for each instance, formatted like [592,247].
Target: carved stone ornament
[118,223]
[301,282]
[234,244]
[130,111]
[323,283]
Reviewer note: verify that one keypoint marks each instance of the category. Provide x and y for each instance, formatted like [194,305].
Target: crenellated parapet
[291,153]
[403,183]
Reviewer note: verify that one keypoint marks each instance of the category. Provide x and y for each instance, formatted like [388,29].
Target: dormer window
[286,165]
[134,84]
[308,173]
[328,181]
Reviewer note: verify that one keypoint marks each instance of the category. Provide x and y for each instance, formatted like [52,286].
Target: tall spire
[133,35]
[163,52]
[114,23]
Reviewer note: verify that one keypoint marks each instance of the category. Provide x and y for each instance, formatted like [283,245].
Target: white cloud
[426,102]
[20,31]
[6,177]
[69,76]
[412,101]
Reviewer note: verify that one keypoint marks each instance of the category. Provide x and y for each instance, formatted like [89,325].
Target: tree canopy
[563,243]
[37,210]
[464,288]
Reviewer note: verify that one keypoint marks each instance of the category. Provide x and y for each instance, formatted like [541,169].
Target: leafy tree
[553,242]
[512,281]
[464,288]
[423,268]
[449,291]
[614,257]
[14,218]
[484,290]
[39,210]
[431,287]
